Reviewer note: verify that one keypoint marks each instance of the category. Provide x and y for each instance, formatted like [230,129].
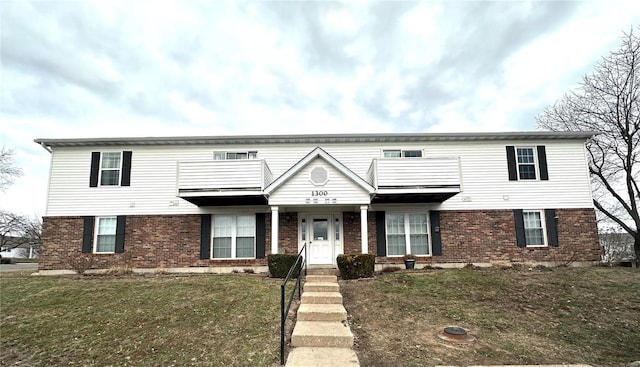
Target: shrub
[279,265]
[6,260]
[356,266]
[80,263]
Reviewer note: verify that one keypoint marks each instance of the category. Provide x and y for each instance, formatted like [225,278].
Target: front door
[320,244]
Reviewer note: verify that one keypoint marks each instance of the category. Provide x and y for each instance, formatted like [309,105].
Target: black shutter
[95,166]
[436,239]
[260,235]
[519,221]
[381,234]
[205,236]
[552,227]
[126,169]
[511,163]
[542,162]
[120,226]
[87,235]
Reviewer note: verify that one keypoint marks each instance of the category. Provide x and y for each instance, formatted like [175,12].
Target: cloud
[120,68]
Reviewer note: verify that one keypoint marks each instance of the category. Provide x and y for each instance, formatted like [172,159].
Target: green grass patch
[215,320]
[587,315]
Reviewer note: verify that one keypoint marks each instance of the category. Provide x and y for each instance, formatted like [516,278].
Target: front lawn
[212,320]
[588,315]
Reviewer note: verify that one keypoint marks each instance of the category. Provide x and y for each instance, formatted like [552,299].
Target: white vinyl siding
[482,174]
[234,237]
[534,228]
[110,166]
[407,233]
[300,191]
[105,238]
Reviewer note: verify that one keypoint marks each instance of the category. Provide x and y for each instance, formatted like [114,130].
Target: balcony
[403,180]
[224,182]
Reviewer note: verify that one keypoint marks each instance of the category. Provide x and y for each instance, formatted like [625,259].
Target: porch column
[363,229]
[274,229]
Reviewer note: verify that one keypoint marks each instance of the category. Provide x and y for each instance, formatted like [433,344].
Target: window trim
[536,167]
[543,223]
[402,153]
[407,233]
[119,169]
[234,231]
[96,233]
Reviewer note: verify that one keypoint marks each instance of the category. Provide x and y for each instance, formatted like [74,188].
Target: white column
[274,229]
[363,229]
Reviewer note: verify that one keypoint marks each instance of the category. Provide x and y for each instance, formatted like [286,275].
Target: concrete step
[322,271]
[322,278]
[321,334]
[321,357]
[321,312]
[321,297]
[321,287]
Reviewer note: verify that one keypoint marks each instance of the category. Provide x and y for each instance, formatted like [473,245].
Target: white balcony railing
[421,174]
[223,177]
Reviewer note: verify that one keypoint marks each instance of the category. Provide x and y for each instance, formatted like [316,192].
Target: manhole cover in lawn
[455,334]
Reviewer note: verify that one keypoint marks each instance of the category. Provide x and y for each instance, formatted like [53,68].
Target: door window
[320,230]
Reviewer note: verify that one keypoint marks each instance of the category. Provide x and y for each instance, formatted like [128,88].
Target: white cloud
[120,68]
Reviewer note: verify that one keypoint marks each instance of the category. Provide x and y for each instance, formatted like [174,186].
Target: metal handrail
[284,312]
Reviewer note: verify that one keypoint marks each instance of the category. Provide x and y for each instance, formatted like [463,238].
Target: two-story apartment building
[226,202]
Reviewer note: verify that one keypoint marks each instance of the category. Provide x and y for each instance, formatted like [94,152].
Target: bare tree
[608,102]
[17,230]
[8,171]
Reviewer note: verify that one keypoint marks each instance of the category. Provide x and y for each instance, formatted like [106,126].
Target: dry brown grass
[524,316]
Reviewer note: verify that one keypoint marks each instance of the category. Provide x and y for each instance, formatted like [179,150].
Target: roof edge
[315,138]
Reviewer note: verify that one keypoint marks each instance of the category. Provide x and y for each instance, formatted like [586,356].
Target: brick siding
[483,236]
[467,236]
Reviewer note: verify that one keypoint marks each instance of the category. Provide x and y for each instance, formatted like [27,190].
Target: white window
[219,156]
[407,233]
[105,240]
[534,231]
[397,153]
[110,169]
[234,236]
[526,163]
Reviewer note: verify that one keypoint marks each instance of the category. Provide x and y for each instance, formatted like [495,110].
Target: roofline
[315,138]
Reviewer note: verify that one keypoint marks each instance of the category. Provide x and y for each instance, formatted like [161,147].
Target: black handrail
[283,313]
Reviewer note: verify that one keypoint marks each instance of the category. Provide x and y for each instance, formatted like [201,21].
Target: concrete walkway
[322,336]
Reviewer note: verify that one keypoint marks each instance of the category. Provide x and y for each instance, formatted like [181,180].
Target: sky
[79,69]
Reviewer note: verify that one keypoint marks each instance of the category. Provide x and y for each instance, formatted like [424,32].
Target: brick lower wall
[483,236]
[467,236]
[155,241]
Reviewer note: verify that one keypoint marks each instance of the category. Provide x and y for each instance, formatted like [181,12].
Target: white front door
[320,243]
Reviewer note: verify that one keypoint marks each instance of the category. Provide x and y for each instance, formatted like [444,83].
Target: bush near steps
[356,266]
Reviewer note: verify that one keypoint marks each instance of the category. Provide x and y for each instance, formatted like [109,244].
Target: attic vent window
[319,176]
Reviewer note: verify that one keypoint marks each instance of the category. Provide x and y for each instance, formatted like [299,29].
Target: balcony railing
[398,175]
[224,177]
